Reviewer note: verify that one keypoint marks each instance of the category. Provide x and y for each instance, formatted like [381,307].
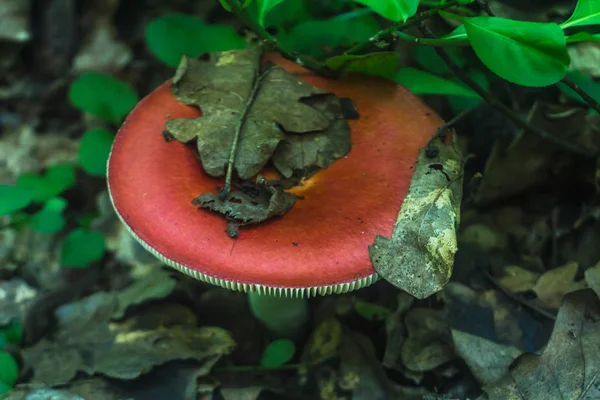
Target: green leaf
[278,353]
[13,333]
[429,60]
[94,149]
[460,33]
[317,38]
[587,12]
[383,64]
[590,86]
[103,96]
[583,37]
[57,179]
[525,53]
[4,388]
[264,6]
[174,35]
[394,10]
[14,198]
[225,5]
[50,218]
[421,82]
[82,247]
[9,369]
[371,311]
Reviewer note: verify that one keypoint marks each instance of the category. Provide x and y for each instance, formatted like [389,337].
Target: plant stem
[390,32]
[588,99]
[432,42]
[501,107]
[271,42]
[259,368]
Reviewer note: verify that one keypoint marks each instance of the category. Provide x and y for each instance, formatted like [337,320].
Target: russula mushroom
[321,245]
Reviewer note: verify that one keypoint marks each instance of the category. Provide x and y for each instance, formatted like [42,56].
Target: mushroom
[320,246]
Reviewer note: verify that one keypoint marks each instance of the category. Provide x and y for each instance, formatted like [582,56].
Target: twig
[259,368]
[588,99]
[501,107]
[238,131]
[271,42]
[485,6]
[516,298]
[390,32]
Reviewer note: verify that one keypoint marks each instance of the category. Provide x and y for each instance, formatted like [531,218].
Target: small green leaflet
[82,247]
[264,6]
[56,180]
[526,53]
[394,10]
[587,12]
[14,198]
[421,82]
[103,96]
[174,35]
[9,369]
[226,6]
[94,149]
[278,353]
[50,218]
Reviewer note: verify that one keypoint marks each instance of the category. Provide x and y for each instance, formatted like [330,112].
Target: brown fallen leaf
[89,342]
[487,360]
[262,107]
[428,343]
[592,278]
[419,256]
[554,284]
[396,333]
[569,367]
[155,285]
[517,279]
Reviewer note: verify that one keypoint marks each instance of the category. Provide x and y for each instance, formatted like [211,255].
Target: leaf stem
[501,107]
[390,32]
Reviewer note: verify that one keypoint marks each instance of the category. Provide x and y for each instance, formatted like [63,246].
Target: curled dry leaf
[253,203]
[419,256]
[569,367]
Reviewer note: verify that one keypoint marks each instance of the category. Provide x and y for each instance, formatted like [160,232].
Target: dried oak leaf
[419,256]
[569,367]
[88,341]
[275,113]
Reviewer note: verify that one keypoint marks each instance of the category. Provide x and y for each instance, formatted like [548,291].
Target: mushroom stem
[284,316]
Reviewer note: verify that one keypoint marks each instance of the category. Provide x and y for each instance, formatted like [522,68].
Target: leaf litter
[253,114]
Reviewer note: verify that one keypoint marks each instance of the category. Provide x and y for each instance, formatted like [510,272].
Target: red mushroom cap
[321,244]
